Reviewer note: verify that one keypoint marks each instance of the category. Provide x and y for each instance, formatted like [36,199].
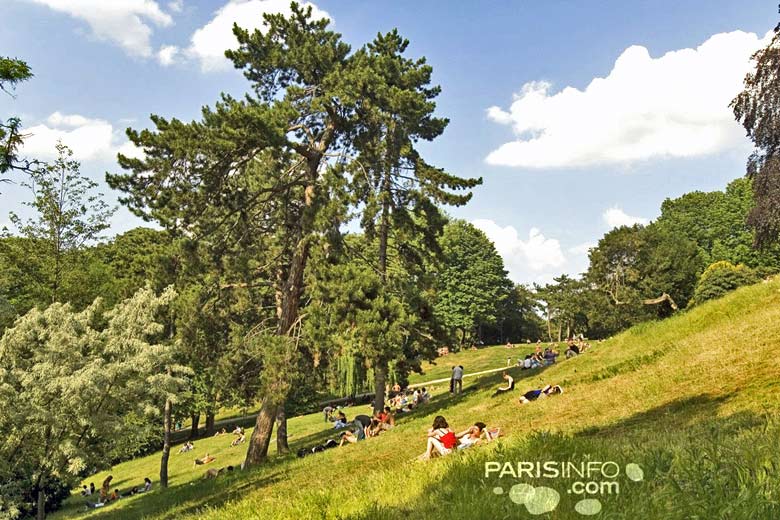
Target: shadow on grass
[695,465]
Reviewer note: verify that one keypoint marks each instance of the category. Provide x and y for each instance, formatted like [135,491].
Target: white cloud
[176,6]
[128,23]
[672,106]
[616,217]
[526,260]
[167,54]
[209,43]
[582,249]
[90,139]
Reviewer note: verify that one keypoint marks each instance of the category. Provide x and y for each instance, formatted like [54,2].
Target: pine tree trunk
[257,452]
[281,430]
[288,290]
[195,419]
[166,451]
[210,429]
[380,379]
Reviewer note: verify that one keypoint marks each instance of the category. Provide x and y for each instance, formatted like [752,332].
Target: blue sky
[563,158]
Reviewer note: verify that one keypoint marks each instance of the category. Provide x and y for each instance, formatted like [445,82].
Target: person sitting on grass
[147,485]
[425,396]
[205,460]
[373,429]
[572,351]
[533,395]
[188,446]
[386,419]
[356,433]
[238,440]
[341,420]
[441,439]
[223,431]
[471,436]
[114,496]
[105,489]
[510,385]
[549,356]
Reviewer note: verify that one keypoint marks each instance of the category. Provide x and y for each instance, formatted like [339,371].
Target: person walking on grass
[456,382]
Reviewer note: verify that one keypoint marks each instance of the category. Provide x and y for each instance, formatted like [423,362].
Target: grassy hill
[691,403]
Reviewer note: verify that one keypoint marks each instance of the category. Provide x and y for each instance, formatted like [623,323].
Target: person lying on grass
[471,436]
[533,395]
[441,439]
[510,385]
[205,460]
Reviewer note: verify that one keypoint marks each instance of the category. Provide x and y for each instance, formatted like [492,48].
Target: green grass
[693,400]
[479,360]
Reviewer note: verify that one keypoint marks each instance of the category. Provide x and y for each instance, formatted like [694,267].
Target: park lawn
[485,358]
[692,400]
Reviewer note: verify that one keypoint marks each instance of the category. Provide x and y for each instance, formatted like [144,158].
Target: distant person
[115,495]
[457,380]
[238,440]
[84,491]
[105,489]
[533,395]
[508,344]
[441,439]
[328,412]
[188,446]
[238,430]
[572,351]
[147,484]
[510,385]
[341,420]
[205,460]
[91,488]
[363,420]
[425,396]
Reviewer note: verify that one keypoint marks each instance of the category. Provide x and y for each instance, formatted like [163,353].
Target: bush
[721,278]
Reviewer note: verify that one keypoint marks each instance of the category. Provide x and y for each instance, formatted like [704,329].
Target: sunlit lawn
[693,400]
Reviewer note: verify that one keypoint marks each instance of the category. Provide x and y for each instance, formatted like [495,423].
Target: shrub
[720,278]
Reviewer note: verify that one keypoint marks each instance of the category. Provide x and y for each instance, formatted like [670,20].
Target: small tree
[68,214]
[71,389]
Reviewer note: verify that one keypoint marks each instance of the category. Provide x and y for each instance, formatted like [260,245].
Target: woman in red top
[441,439]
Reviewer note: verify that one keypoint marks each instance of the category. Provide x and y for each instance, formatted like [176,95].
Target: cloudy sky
[580,116]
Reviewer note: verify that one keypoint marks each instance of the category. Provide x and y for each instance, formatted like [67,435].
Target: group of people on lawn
[441,439]
[106,495]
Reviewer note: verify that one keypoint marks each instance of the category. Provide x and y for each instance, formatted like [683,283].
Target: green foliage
[717,222]
[67,218]
[72,384]
[12,72]
[756,108]
[720,278]
[472,283]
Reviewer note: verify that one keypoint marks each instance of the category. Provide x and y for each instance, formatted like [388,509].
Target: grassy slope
[693,400]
